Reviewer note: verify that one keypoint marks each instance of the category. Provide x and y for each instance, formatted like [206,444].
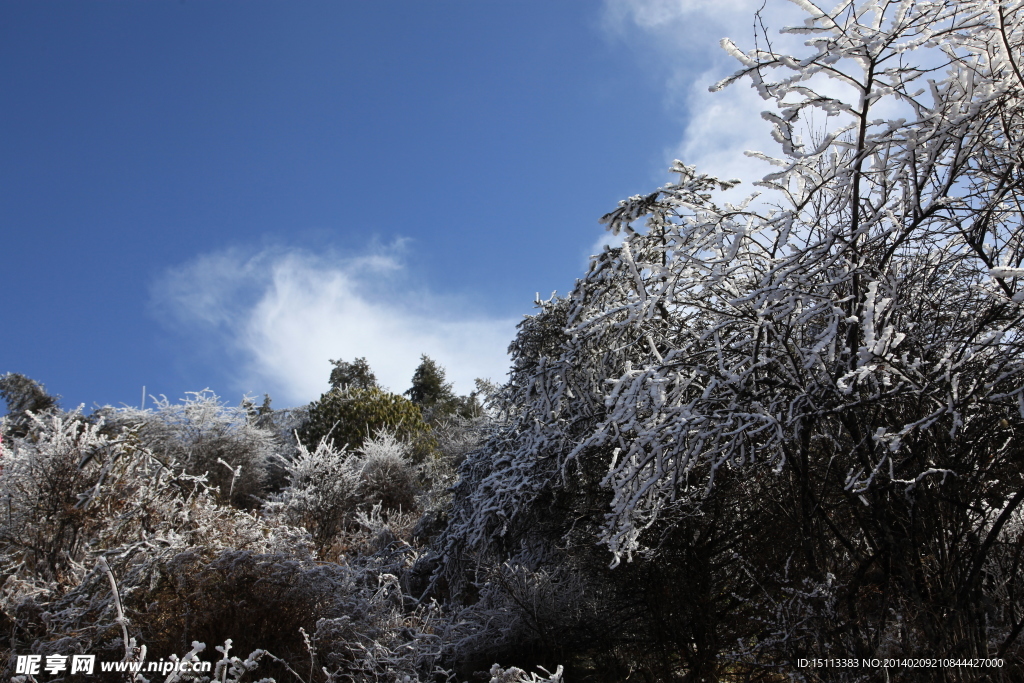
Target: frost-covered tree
[845,349]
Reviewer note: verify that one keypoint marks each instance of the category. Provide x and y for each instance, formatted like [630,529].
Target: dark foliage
[349,417]
[23,395]
[354,375]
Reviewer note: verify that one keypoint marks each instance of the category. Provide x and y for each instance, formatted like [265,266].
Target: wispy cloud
[280,314]
[684,38]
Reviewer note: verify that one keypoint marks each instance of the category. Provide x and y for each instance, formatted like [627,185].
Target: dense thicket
[809,399]
[144,535]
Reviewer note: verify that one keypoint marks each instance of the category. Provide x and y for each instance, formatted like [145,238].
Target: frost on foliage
[514,674]
[499,482]
[323,491]
[521,610]
[108,550]
[389,478]
[206,437]
[74,490]
[330,487]
[865,308]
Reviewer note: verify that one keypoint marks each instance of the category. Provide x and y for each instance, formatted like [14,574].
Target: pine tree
[429,389]
[355,375]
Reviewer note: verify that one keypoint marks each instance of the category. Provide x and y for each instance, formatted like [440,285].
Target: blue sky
[228,194]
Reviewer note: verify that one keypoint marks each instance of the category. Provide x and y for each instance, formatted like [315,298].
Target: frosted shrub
[109,549]
[206,437]
[323,491]
[526,614]
[260,601]
[516,675]
[44,492]
[329,487]
[388,476]
[75,490]
[320,621]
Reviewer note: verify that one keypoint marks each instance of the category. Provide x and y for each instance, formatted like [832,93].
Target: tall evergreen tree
[354,375]
[429,389]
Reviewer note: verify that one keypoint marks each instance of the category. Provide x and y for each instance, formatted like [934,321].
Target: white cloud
[671,16]
[282,313]
[685,37]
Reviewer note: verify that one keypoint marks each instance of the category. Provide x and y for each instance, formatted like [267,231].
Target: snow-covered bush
[388,477]
[105,549]
[348,619]
[323,492]
[207,437]
[514,674]
[75,491]
[329,487]
[526,616]
[45,524]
